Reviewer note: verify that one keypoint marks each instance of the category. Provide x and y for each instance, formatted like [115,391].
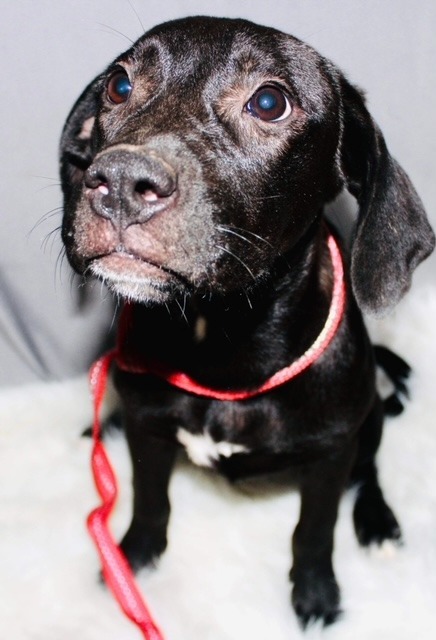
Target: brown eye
[269,104]
[119,87]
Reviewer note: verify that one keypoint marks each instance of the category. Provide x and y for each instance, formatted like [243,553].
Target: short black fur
[209,216]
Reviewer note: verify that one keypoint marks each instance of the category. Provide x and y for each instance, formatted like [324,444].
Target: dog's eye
[119,87]
[269,104]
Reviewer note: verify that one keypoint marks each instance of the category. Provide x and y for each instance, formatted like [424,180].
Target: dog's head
[209,148]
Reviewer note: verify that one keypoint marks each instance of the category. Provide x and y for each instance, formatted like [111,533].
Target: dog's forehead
[199,47]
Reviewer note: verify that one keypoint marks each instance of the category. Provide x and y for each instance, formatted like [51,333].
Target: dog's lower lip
[121,263]
[121,256]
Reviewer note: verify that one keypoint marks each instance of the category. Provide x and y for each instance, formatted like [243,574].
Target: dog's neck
[297,290]
[242,338]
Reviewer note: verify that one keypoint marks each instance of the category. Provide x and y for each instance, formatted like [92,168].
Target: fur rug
[224,575]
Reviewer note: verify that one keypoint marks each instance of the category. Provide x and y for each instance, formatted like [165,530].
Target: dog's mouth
[135,278]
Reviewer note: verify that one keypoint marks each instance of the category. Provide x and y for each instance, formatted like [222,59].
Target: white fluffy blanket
[224,575]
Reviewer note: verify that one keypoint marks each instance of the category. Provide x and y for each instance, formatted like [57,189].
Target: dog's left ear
[76,151]
[392,233]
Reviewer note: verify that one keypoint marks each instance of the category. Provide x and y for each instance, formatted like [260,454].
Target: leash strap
[116,570]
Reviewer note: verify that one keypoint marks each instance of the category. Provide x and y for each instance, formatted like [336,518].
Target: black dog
[195,170]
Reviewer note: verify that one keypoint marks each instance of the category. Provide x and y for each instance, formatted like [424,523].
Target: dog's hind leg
[374,520]
[398,371]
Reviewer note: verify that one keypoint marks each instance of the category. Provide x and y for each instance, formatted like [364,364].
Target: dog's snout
[130,186]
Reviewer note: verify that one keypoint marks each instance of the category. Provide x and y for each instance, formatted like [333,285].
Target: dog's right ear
[76,152]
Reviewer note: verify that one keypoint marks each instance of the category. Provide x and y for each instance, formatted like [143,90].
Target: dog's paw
[316,598]
[375,522]
[141,548]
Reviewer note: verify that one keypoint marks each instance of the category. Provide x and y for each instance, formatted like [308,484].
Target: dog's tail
[398,371]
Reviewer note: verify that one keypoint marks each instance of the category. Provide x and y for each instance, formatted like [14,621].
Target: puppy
[195,170]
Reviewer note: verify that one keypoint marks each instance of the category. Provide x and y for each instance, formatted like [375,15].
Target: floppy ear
[392,234]
[76,151]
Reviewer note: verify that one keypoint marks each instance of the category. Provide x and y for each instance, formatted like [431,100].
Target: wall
[50,49]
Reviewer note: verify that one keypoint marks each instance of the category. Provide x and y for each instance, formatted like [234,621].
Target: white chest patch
[202,450]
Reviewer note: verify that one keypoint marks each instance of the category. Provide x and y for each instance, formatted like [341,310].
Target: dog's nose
[129,187]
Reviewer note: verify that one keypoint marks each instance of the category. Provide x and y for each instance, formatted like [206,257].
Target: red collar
[312,354]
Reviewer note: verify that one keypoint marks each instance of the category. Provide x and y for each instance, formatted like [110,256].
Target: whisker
[111,30]
[247,231]
[54,182]
[235,233]
[50,236]
[38,177]
[261,198]
[72,279]
[117,307]
[44,218]
[132,6]
[106,294]
[48,186]
[248,299]
[57,275]
[237,258]
[182,309]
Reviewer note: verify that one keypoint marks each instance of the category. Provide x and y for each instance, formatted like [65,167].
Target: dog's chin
[136,281]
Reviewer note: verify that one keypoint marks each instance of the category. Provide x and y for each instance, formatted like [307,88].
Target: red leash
[116,570]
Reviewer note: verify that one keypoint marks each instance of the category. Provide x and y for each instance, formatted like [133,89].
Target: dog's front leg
[152,457]
[315,594]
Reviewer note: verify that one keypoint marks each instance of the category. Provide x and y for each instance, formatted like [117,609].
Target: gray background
[50,49]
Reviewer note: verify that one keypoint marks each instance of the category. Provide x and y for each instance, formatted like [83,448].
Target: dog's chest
[201,448]
[204,451]
[226,429]
[215,431]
